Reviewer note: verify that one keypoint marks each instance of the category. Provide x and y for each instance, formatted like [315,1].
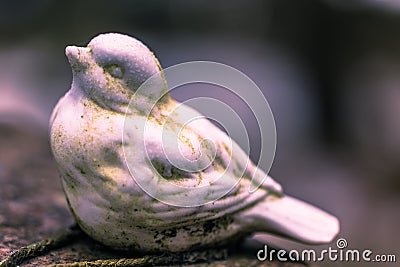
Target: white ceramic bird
[86,134]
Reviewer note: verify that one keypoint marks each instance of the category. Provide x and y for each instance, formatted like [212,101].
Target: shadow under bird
[86,134]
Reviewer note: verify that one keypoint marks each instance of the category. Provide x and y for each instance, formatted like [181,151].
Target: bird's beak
[77,56]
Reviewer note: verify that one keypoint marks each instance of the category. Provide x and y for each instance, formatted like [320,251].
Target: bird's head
[111,69]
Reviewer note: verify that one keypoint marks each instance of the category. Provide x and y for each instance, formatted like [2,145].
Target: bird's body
[108,203]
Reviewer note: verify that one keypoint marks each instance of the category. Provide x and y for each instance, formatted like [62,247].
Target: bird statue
[107,166]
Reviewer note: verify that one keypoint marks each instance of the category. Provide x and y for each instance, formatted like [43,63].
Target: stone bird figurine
[86,134]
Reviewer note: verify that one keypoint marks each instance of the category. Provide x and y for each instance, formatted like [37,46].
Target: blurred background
[330,70]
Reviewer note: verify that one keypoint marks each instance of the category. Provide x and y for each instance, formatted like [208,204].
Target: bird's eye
[115,70]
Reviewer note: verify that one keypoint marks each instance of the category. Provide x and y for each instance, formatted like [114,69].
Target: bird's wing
[233,198]
[214,147]
[218,174]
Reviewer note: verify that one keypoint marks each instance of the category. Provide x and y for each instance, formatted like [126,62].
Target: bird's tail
[292,218]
